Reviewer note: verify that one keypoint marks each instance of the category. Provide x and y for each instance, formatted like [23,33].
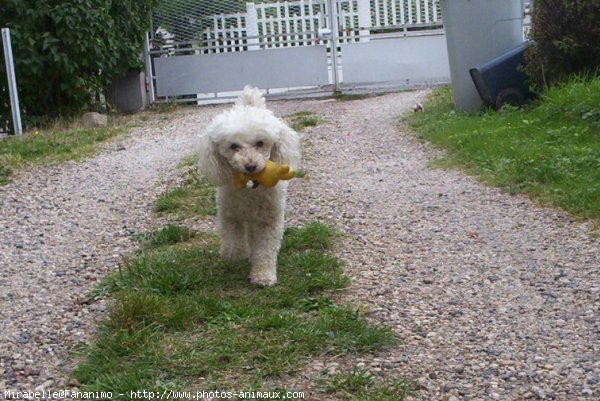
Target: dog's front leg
[264,244]
[234,242]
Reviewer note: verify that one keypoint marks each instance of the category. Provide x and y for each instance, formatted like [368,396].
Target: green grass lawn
[183,318]
[549,150]
[50,146]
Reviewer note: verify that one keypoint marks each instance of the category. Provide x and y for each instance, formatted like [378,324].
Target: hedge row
[65,51]
[567,40]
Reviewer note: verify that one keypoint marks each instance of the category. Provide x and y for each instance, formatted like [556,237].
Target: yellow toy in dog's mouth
[267,177]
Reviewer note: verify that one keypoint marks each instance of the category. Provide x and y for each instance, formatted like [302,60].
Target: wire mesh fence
[205,27]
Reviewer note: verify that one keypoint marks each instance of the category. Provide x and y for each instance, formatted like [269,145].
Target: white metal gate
[205,49]
[391,42]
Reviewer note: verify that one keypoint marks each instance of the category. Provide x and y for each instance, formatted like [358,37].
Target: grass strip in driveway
[51,146]
[183,318]
[549,150]
[195,198]
[302,119]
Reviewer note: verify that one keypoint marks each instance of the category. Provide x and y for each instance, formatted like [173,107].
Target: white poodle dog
[250,219]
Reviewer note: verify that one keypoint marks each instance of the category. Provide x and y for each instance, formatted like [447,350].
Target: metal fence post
[252,27]
[12,81]
[335,31]
[364,20]
[149,72]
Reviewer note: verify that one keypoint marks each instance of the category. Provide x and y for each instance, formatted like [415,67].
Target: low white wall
[272,68]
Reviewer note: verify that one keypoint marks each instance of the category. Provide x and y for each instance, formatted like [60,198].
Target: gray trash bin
[478,31]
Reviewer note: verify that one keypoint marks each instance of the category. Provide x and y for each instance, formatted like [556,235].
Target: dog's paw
[263,278]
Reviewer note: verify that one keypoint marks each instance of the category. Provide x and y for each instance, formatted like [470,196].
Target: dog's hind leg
[234,240]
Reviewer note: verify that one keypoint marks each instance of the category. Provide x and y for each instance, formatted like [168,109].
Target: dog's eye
[234,146]
[259,144]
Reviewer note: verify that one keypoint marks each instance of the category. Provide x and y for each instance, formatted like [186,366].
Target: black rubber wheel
[511,96]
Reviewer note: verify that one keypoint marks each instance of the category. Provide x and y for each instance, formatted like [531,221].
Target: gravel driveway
[63,229]
[493,296]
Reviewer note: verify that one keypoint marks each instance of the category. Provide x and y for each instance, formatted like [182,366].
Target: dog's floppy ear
[210,163]
[287,148]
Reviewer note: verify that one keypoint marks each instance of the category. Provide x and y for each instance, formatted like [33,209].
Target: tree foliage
[567,37]
[66,50]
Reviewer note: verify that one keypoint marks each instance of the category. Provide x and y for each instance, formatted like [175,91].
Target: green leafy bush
[65,51]
[566,35]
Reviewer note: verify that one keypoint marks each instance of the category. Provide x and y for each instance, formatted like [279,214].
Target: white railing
[405,12]
[300,23]
[286,24]
[352,15]
[227,33]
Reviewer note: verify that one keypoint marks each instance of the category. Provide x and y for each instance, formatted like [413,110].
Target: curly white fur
[250,220]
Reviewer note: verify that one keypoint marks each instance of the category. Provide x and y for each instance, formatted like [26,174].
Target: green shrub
[566,35]
[66,51]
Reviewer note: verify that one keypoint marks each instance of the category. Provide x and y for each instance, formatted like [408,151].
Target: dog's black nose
[250,167]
